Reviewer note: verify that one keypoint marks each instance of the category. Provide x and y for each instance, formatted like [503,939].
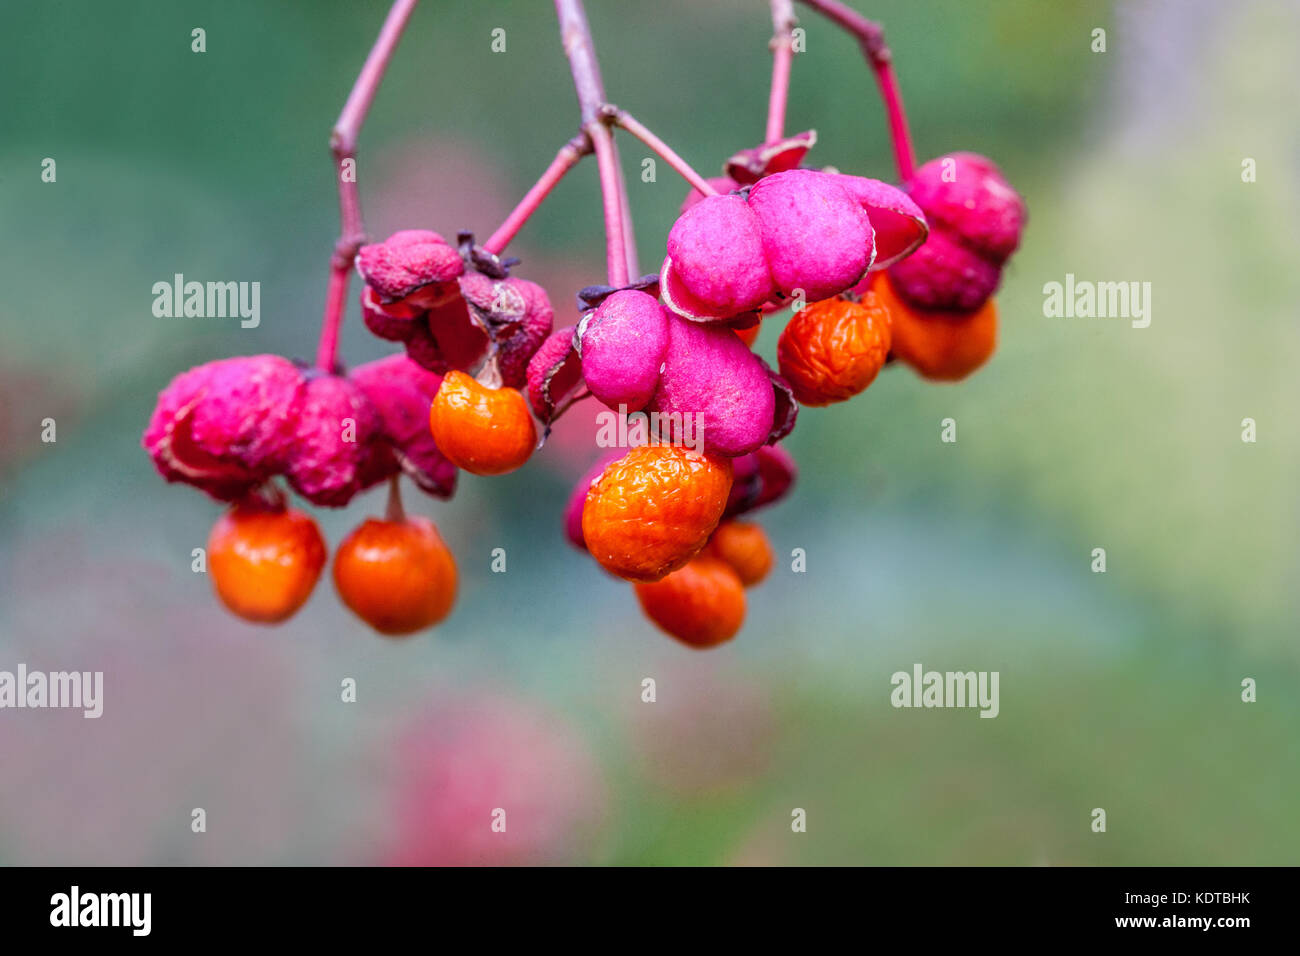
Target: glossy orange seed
[701,604]
[397,576]
[485,431]
[744,546]
[265,562]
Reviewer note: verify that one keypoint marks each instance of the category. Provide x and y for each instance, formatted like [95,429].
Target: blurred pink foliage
[464,759]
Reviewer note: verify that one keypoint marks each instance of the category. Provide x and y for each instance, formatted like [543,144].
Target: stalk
[343,144]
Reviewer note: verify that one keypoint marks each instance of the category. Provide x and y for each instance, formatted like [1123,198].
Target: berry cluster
[232,426]
[945,322]
[870,271]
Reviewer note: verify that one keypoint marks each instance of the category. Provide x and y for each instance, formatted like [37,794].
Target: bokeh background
[1118,690]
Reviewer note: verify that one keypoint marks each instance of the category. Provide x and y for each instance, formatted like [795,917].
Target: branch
[783,21]
[629,234]
[575,33]
[565,160]
[657,145]
[871,38]
[343,144]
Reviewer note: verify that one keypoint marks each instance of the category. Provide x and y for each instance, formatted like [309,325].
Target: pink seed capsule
[226,426]
[759,479]
[394,321]
[715,267]
[519,316]
[711,376]
[622,345]
[817,238]
[967,195]
[899,223]
[410,261]
[554,372]
[448,338]
[943,274]
[401,392]
[336,427]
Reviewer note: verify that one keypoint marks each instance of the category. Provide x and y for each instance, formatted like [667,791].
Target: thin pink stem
[616,264]
[904,158]
[575,33]
[871,38]
[343,144]
[783,21]
[657,145]
[395,513]
[336,294]
[565,160]
[629,234]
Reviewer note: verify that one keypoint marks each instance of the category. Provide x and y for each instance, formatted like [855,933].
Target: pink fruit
[816,237]
[622,344]
[715,266]
[760,479]
[226,426]
[710,374]
[899,223]
[395,321]
[943,274]
[976,219]
[401,392]
[786,408]
[553,372]
[332,441]
[750,165]
[448,338]
[722,184]
[966,195]
[409,261]
[517,313]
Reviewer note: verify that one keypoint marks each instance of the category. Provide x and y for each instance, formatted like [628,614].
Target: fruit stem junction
[395,513]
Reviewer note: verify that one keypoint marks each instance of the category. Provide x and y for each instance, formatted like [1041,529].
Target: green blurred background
[1118,690]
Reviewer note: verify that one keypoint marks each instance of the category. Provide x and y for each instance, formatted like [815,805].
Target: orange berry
[265,561]
[701,604]
[744,546]
[940,345]
[485,431]
[652,510]
[833,349]
[397,576]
